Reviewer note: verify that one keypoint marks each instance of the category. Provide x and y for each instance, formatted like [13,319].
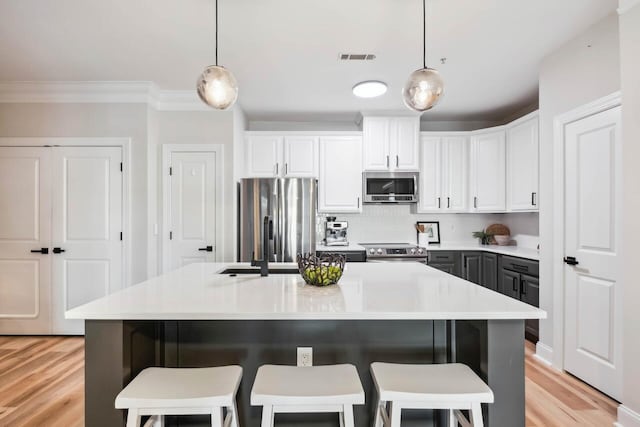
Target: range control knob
[372,251]
[379,251]
[413,250]
[420,251]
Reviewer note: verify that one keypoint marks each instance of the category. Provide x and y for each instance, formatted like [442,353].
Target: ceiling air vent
[357,57]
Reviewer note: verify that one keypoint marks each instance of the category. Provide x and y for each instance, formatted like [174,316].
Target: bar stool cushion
[308,385]
[453,382]
[181,388]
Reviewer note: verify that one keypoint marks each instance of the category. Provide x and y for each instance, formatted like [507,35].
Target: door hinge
[121,167]
[121,235]
[170,171]
[171,235]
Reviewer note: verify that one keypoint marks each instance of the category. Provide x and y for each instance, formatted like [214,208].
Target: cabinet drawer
[521,265]
[442,257]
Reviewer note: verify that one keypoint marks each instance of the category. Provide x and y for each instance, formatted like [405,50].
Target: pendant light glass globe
[423,89]
[217,87]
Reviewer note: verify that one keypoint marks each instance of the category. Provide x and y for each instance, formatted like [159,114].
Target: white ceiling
[284,53]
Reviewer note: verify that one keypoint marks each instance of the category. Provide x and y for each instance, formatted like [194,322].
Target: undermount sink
[251,270]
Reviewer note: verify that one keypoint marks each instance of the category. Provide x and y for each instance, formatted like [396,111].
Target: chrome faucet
[267,235]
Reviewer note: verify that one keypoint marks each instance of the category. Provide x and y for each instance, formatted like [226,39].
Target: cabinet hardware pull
[534,202]
[520,267]
[58,250]
[523,286]
[438,202]
[286,168]
[207,249]
[448,202]
[515,284]
[387,161]
[43,251]
[475,202]
[397,161]
[570,260]
[277,168]
[358,202]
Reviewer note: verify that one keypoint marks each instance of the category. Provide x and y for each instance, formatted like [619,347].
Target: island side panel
[253,343]
[494,349]
[115,351]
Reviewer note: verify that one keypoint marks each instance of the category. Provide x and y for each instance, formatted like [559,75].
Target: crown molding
[626,5]
[101,92]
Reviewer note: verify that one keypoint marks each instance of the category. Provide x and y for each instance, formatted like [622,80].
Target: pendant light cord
[424,33]
[216,33]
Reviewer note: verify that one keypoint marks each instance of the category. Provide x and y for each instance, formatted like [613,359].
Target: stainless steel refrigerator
[291,204]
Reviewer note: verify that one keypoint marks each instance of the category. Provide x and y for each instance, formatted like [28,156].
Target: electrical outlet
[305,356]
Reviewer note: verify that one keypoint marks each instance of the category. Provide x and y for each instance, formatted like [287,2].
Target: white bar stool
[182,391]
[446,386]
[308,389]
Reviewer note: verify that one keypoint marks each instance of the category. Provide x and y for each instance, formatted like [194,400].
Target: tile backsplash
[395,223]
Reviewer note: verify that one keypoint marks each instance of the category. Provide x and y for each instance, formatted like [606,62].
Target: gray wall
[630,73]
[573,75]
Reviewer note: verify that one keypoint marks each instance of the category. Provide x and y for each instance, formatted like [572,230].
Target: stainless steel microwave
[390,187]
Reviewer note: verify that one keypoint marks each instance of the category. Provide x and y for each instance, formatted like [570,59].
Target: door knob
[58,250]
[43,251]
[207,249]
[570,260]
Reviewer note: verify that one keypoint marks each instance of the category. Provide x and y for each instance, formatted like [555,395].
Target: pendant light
[425,87]
[217,87]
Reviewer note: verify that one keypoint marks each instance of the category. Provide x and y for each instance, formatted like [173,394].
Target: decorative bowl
[502,240]
[324,270]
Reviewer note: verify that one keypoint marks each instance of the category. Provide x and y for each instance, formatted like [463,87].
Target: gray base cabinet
[518,278]
[472,267]
[447,261]
[490,271]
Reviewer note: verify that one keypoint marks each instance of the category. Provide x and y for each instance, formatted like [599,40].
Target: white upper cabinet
[443,174]
[391,143]
[270,156]
[488,171]
[522,166]
[263,154]
[340,177]
[300,156]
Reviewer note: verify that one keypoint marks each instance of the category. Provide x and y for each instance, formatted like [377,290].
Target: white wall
[630,79]
[94,120]
[395,223]
[571,76]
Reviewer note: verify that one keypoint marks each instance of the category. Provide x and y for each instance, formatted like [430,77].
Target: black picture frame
[434,238]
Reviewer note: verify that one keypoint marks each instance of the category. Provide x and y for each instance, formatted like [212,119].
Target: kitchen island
[392,312]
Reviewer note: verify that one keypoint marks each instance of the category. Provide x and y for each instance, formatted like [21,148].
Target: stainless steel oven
[390,187]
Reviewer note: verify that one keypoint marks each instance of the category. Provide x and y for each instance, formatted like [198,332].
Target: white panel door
[192,208]
[340,179]
[522,166]
[375,133]
[593,304]
[405,135]
[300,156]
[488,171]
[455,178]
[264,156]
[430,174]
[25,208]
[86,229]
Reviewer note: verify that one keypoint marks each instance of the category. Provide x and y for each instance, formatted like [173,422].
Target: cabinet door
[488,171]
[263,154]
[340,178]
[472,266]
[405,134]
[530,293]
[490,271]
[430,175]
[509,283]
[375,131]
[300,156]
[522,166]
[455,177]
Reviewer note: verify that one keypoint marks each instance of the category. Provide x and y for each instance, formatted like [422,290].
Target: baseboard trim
[627,417]
[544,353]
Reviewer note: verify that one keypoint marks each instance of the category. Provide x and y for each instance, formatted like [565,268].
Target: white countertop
[516,251]
[366,291]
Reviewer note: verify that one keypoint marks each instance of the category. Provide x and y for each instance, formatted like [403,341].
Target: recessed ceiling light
[370,89]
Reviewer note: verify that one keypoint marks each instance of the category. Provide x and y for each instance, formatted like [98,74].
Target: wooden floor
[41,384]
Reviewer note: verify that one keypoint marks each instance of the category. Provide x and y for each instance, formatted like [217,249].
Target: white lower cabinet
[443,173]
[488,172]
[340,174]
[522,166]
